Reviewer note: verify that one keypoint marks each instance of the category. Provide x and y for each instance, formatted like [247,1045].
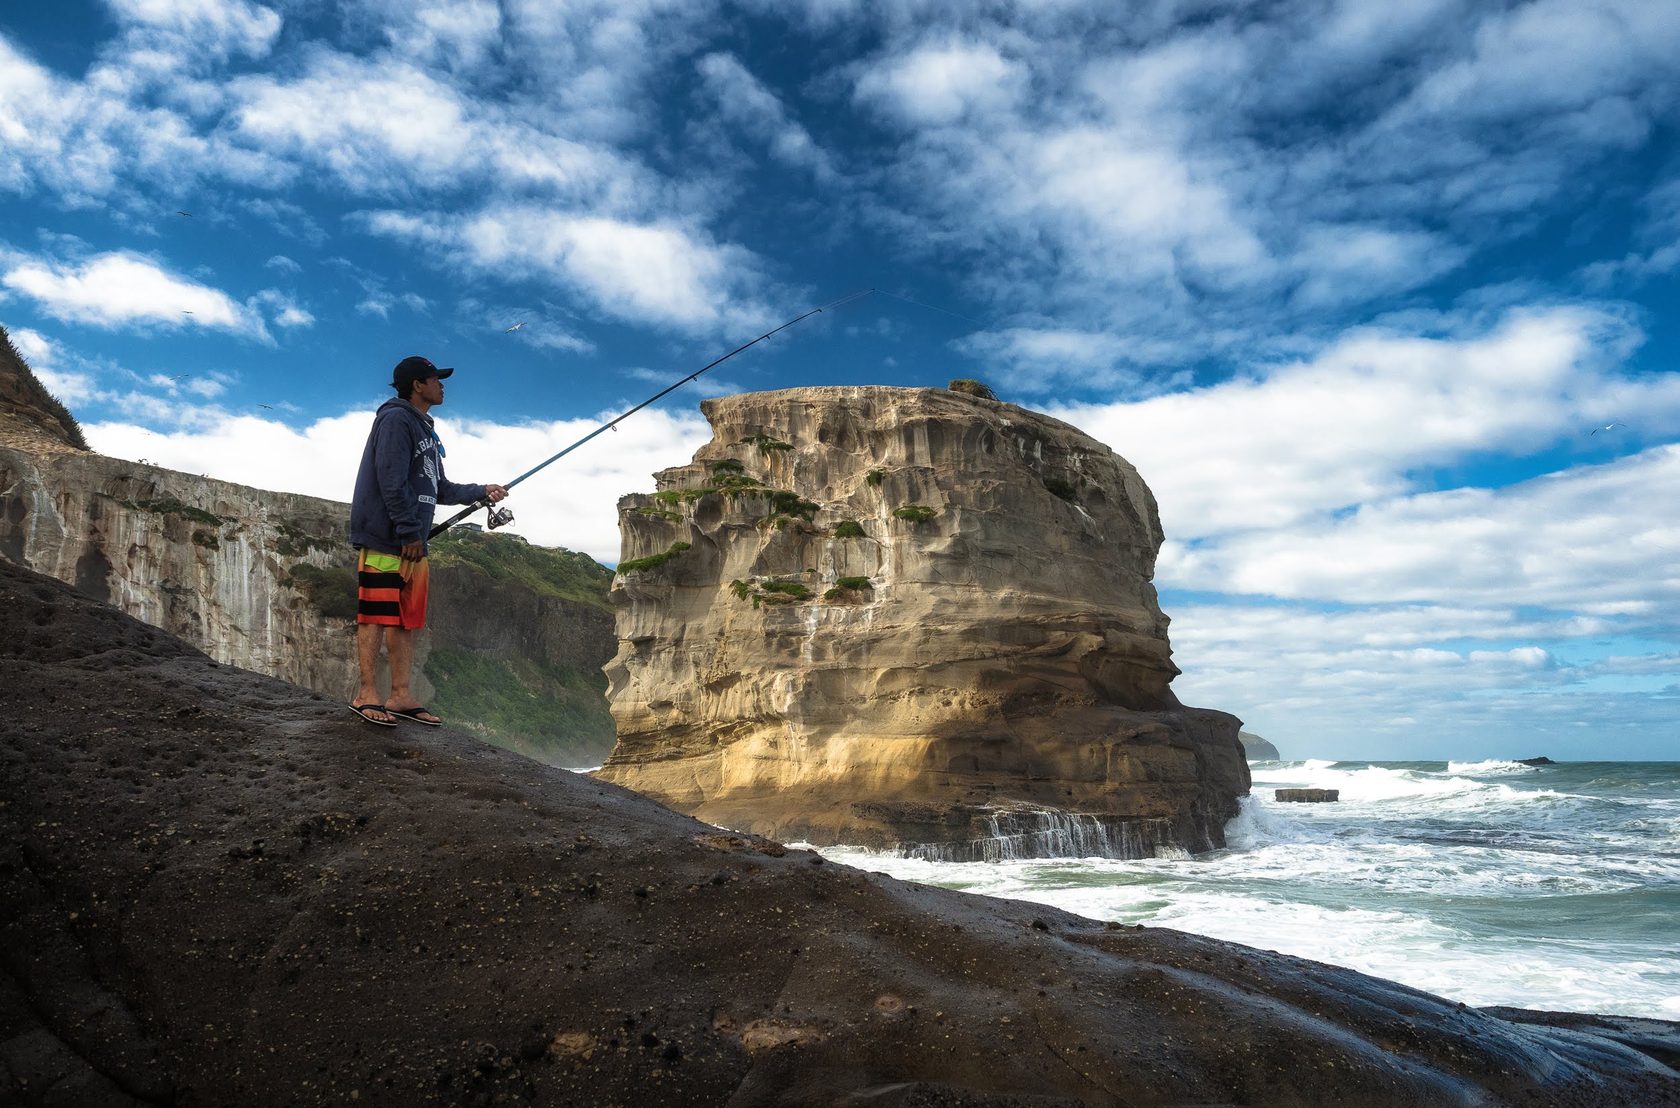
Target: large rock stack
[911,618]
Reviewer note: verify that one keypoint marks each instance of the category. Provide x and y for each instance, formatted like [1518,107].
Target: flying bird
[187,214]
[186,311]
[1606,427]
[269,406]
[180,377]
[515,327]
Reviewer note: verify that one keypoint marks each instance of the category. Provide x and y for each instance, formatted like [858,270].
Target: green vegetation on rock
[875,477]
[727,465]
[766,444]
[792,504]
[547,571]
[331,591]
[847,586]
[972,387]
[848,529]
[652,561]
[169,506]
[294,542]
[769,592]
[915,513]
[548,711]
[21,388]
[791,589]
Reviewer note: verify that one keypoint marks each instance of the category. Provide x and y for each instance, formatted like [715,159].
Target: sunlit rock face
[909,618]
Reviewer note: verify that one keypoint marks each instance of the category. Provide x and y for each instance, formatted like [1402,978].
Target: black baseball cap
[413,369]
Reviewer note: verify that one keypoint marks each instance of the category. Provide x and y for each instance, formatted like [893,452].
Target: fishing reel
[498,517]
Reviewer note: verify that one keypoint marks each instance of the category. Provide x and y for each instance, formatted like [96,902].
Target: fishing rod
[501,517]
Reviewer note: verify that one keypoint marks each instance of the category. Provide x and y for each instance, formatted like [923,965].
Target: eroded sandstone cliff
[911,618]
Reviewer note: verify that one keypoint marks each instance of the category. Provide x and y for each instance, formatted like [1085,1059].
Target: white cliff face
[895,616]
[214,562]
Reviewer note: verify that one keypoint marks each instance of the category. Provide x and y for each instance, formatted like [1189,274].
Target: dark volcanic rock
[217,889]
[1540,761]
[1308,796]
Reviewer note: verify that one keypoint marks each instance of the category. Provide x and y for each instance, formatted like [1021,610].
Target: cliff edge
[909,618]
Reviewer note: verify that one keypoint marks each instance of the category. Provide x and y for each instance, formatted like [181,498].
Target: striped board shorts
[391,592]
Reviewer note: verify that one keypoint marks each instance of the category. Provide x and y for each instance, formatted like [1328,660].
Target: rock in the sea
[216,889]
[1542,760]
[1308,796]
[912,618]
[1258,749]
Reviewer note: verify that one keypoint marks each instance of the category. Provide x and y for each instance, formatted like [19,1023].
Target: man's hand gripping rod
[500,517]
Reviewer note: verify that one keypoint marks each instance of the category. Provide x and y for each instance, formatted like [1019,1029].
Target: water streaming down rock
[884,616]
[1022,833]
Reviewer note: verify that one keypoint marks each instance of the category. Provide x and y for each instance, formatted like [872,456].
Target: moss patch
[875,477]
[550,711]
[848,586]
[770,592]
[292,541]
[169,506]
[547,571]
[971,387]
[915,513]
[767,445]
[848,529]
[652,561]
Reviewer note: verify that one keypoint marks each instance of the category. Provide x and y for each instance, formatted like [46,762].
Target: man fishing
[398,488]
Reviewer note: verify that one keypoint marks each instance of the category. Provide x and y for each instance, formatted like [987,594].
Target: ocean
[1552,887]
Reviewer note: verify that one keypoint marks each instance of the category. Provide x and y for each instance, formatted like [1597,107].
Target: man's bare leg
[368,637]
[399,648]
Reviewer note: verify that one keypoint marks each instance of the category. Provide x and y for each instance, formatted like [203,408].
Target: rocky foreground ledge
[216,888]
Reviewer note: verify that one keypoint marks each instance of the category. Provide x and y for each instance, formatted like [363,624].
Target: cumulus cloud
[215,27]
[121,289]
[660,273]
[937,84]
[1600,535]
[1349,425]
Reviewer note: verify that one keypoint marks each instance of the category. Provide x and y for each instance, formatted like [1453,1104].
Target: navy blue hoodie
[401,482]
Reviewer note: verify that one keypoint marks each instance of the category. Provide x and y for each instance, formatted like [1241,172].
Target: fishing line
[933,308]
[501,517]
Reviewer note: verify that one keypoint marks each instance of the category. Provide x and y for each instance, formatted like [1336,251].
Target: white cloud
[744,100]
[939,84]
[1347,426]
[659,273]
[121,289]
[214,27]
[1592,535]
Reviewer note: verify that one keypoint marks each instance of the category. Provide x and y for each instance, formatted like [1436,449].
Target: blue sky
[1352,285]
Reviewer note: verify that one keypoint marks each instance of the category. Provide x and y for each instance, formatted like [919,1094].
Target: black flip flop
[414,714]
[362,710]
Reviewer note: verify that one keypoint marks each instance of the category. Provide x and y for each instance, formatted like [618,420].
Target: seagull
[268,406]
[515,327]
[186,311]
[180,377]
[1606,427]
[187,214]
